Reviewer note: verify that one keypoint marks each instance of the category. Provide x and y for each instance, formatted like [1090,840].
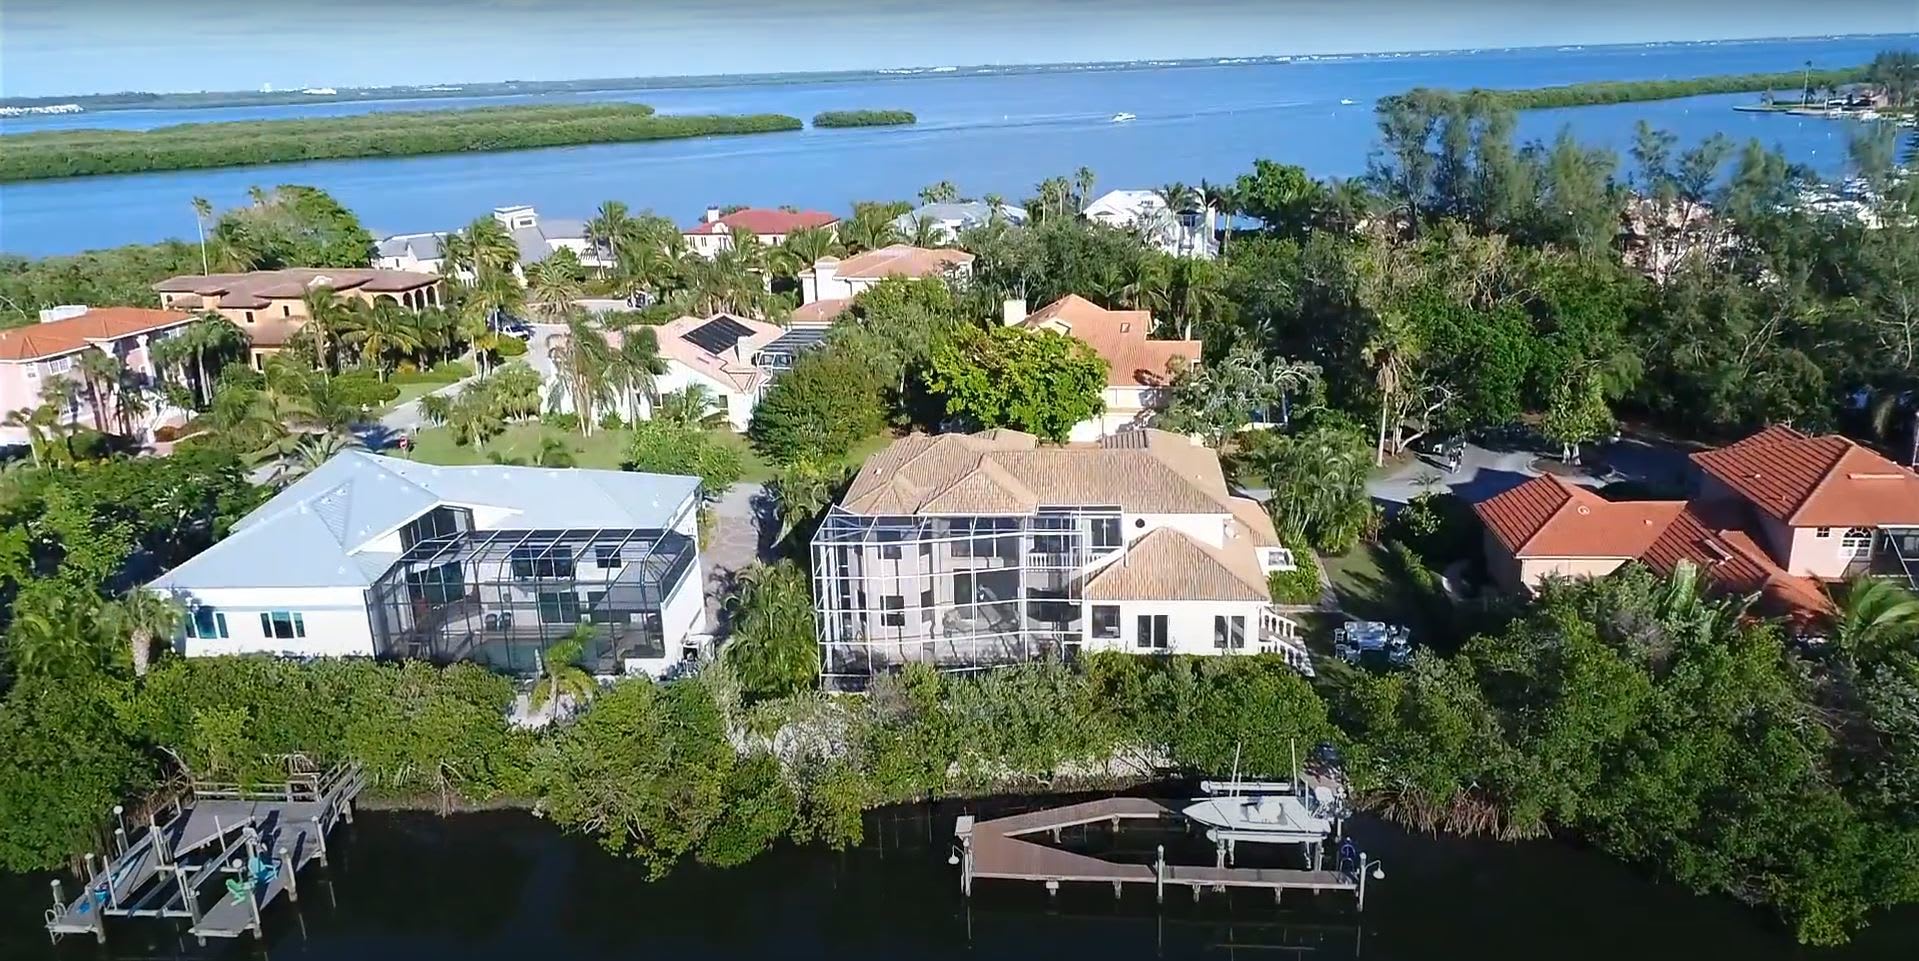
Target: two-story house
[839,281]
[1780,514]
[970,551]
[270,305]
[377,556]
[37,365]
[1139,368]
[716,232]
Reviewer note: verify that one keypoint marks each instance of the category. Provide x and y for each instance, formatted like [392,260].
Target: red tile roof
[252,289]
[56,337]
[820,311]
[1120,336]
[1806,481]
[759,220]
[902,260]
[1549,517]
[1713,538]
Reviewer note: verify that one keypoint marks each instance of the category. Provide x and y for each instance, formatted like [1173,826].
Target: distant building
[1144,213]
[970,551]
[1140,369]
[1779,514]
[835,279]
[270,305]
[43,354]
[534,237]
[951,219]
[376,556]
[715,233]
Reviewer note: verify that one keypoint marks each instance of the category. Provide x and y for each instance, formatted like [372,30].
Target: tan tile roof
[1824,481]
[730,368]
[1167,565]
[1550,517]
[901,260]
[1008,472]
[759,220]
[820,311]
[1120,336]
[56,337]
[252,289]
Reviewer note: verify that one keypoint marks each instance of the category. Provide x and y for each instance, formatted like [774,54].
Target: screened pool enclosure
[499,597]
[959,593]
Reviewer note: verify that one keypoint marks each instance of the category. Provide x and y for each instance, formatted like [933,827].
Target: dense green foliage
[1301,584]
[828,401]
[1035,381]
[660,447]
[864,118]
[1632,91]
[79,153]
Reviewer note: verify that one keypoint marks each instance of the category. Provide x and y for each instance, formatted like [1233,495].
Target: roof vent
[1584,510]
[1125,328]
[1718,552]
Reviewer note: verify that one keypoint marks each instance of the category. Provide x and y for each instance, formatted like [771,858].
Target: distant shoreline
[100,103]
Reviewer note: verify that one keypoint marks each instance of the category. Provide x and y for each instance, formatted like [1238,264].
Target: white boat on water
[1124,118]
[1348,101]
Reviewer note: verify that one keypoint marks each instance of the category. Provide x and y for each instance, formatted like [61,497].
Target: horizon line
[919,71]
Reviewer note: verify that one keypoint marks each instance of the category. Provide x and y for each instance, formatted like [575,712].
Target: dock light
[952,857]
[1379,873]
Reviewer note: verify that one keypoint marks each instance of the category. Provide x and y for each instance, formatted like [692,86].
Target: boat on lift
[1307,809]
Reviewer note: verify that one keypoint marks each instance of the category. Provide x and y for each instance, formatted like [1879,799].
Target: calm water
[988,132]
[505,886]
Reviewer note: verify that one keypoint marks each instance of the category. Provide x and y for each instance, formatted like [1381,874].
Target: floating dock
[1001,849]
[246,844]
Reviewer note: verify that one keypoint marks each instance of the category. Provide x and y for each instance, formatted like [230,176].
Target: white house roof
[1122,208]
[316,532]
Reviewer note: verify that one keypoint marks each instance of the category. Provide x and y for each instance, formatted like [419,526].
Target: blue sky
[88,46]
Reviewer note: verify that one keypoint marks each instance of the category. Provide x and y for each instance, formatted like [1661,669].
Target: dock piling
[319,838]
[1159,873]
[1362,881]
[293,876]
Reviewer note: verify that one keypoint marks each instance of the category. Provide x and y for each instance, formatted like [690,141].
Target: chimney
[712,215]
[1013,311]
[821,282]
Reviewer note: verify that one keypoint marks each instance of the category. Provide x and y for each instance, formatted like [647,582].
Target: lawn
[521,443]
[1364,588]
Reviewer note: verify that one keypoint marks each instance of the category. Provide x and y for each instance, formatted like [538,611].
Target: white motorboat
[1124,118]
[1348,101]
[1261,818]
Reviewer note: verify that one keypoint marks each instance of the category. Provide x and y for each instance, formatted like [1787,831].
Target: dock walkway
[1000,849]
[223,833]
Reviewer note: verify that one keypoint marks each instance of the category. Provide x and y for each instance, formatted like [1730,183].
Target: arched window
[1857,543]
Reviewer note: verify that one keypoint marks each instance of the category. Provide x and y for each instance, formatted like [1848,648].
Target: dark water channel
[507,886]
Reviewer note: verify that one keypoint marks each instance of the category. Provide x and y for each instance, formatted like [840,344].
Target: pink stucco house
[37,355]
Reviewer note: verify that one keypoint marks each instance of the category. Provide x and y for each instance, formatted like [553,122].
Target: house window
[249,316]
[926,605]
[1857,543]
[559,607]
[56,366]
[606,556]
[207,624]
[892,611]
[1822,532]
[1105,534]
[1106,622]
[1152,632]
[286,310]
[282,625]
[1229,633]
[533,561]
[889,552]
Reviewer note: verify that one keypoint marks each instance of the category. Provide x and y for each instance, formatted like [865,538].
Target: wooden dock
[1002,849]
[247,844]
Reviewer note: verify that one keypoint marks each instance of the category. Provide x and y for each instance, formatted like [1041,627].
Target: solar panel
[717,336]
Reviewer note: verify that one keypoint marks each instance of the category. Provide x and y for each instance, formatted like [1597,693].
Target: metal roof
[317,532]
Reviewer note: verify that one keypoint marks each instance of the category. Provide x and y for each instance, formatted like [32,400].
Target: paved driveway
[742,532]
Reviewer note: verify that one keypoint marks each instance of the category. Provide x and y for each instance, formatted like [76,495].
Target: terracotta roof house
[36,364]
[1778,514]
[715,233]
[270,305]
[1140,368]
[717,353]
[835,279]
[969,551]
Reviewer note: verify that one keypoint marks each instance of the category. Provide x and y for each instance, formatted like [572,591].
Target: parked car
[517,328]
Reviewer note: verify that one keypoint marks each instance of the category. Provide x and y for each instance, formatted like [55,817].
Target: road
[406,417]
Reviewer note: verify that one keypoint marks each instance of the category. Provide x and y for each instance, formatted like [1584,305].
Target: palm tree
[436,408]
[210,333]
[583,364]
[1222,199]
[870,229]
[939,193]
[487,246]
[636,365]
[927,232]
[1083,181]
[804,248]
[57,634]
[327,315]
[474,415]
[1874,617]
[1391,353]
[146,618]
[609,229]
[1145,284]
[202,212]
[802,490]
[378,330]
[309,453]
[561,675]
[644,267]
[100,373]
[41,423]
[553,285]
[695,407]
[493,295]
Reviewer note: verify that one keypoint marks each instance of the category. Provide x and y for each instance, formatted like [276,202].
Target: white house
[536,238]
[835,279]
[380,557]
[717,353]
[1144,212]
[715,232]
[1139,368]
[970,551]
[950,219]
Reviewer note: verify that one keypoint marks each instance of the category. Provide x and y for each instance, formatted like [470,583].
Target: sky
[51,47]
